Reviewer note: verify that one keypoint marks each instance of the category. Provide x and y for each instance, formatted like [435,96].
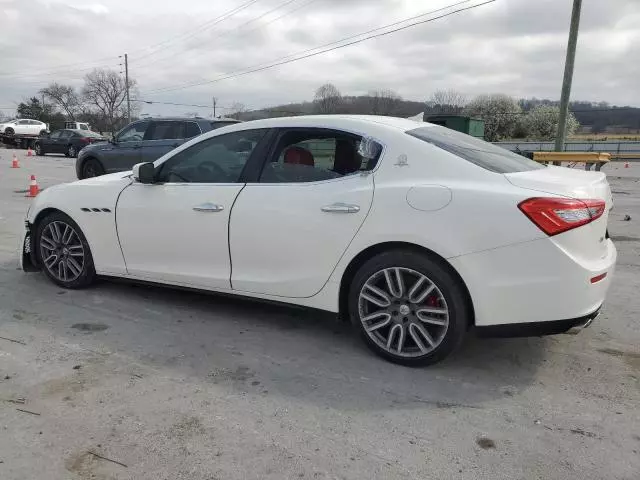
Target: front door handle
[340,207]
[208,207]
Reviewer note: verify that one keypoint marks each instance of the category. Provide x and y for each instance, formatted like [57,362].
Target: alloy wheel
[72,151]
[403,312]
[62,252]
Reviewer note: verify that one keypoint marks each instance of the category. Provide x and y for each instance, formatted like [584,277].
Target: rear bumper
[553,327]
[535,282]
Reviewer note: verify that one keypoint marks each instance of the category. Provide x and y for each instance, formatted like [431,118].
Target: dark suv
[142,141]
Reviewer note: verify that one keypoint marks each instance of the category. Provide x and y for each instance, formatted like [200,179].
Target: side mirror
[144,172]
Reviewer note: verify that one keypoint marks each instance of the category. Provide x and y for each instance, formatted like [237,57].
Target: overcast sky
[509,46]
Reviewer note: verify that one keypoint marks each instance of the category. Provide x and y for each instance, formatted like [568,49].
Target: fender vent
[96,210]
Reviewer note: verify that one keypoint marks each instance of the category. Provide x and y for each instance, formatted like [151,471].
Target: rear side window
[191,129]
[481,153]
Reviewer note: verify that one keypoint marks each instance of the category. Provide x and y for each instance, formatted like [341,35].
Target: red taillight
[85,140]
[597,278]
[557,215]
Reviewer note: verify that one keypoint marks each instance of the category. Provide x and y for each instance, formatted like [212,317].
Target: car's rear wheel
[63,252]
[38,149]
[71,152]
[92,168]
[409,308]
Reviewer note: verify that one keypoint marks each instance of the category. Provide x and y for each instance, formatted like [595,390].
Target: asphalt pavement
[134,382]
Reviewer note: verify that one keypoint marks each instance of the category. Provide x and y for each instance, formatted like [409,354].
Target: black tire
[9,132]
[449,291]
[42,132]
[72,151]
[92,168]
[87,272]
[39,150]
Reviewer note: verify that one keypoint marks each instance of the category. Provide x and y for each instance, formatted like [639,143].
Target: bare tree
[383,102]
[236,110]
[106,91]
[447,102]
[65,97]
[327,99]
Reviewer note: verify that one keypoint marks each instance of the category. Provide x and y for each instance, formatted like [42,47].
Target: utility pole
[126,81]
[568,76]
[215,100]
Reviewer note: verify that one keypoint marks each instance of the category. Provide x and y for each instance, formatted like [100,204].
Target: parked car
[142,141]
[76,126]
[23,127]
[413,231]
[69,142]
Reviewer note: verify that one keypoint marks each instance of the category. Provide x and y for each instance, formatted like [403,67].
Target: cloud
[511,46]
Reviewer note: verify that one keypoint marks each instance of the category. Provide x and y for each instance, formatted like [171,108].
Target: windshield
[481,153]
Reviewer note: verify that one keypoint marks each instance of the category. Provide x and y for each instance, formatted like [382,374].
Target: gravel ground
[134,382]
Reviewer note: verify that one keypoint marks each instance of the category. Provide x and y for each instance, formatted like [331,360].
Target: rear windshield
[222,123]
[481,153]
[87,133]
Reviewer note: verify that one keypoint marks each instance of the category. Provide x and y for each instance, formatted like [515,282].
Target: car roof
[193,119]
[336,121]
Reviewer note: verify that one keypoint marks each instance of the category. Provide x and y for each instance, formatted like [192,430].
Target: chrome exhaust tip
[576,329]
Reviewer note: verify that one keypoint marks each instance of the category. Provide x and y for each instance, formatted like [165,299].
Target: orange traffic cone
[33,187]
[626,164]
[29,152]
[14,162]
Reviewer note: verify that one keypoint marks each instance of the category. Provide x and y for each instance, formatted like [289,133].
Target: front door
[49,144]
[126,150]
[176,230]
[289,230]
[60,145]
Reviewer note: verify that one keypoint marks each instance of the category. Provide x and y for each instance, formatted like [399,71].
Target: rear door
[162,136]
[289,229]
[62,142]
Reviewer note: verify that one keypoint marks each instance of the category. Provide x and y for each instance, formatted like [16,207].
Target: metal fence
[624,149]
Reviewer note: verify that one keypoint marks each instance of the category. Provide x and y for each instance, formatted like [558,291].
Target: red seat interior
[299,156]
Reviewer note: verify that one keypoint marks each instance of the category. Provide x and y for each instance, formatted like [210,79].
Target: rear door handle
[208,207]
[340,207]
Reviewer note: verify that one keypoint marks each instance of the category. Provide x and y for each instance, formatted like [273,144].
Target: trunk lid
[588,241]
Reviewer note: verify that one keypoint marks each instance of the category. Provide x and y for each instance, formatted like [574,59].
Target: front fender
[91,204]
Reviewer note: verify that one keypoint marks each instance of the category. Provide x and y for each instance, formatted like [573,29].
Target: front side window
[312,155]
[169,130]
[484,154]
[55,134]
[65,134]
[133,133]
[218,159]
[23,122]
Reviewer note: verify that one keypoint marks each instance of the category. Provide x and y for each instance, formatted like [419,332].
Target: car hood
[99,145]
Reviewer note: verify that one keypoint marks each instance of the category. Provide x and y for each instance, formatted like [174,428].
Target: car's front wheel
[410,308]
[64,252]
[38,148]
[9,132]
[92,168]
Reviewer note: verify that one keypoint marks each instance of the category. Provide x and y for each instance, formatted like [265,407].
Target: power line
[283,62]
[57,68]
[199,29]
[239,27]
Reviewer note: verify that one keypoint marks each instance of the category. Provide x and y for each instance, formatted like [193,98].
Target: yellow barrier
[588,158]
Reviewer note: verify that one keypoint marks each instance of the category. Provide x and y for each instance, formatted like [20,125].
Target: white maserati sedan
[415,232]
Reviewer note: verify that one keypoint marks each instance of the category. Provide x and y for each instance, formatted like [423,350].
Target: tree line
[505,117]
[101,102]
